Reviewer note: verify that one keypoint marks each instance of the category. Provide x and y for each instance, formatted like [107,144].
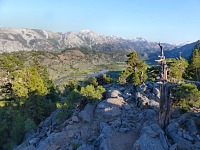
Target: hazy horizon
[165,21]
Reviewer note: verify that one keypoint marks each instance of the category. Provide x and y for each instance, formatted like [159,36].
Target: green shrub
[66,110]
[71,85]
[187,97]
[67,105]
[17,132]
[92,93]
[29,124]
[93,81]
[107,79]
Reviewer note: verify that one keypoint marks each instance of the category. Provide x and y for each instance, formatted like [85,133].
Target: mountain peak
[139,39]
[35,39]
[86,31]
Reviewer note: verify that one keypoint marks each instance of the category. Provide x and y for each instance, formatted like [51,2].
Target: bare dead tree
[165,89]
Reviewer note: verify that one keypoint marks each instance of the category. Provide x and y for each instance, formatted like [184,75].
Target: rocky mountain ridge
[126,119]
[12,39]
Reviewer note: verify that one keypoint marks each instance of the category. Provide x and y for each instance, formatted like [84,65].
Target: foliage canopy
[135,72]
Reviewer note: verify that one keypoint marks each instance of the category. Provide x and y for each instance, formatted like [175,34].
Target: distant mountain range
[184,51]
[12,39]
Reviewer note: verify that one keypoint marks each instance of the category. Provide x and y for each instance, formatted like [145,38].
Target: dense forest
[28,94]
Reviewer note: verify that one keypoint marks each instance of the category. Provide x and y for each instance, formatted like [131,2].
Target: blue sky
[173,21]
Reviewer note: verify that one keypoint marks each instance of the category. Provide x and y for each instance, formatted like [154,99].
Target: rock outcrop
[125,120]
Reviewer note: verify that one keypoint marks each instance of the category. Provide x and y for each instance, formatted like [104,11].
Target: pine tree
[193,70]
[195,64]
[52,92]
[9,65]
[176,69]
[135,72]
[28,81]
[92,93]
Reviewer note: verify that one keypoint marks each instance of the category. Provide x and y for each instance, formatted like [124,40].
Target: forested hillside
[27,96]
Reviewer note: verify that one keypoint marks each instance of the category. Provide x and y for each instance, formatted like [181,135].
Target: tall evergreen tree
[28,81]
[195,64]
[193,70]
[52,92]
[135,72]
[176,69]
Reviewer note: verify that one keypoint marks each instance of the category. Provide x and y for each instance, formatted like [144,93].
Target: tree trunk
[197,77]
[165,101]
[165,104]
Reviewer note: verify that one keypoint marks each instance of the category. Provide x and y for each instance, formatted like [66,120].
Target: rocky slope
[12,39]
[126,119]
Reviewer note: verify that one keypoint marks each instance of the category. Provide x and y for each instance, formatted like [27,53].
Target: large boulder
[141,100]
[144,102]
[151,137]
[147,114]
[88,113]
[110,139]
[113,94]
[110,107]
